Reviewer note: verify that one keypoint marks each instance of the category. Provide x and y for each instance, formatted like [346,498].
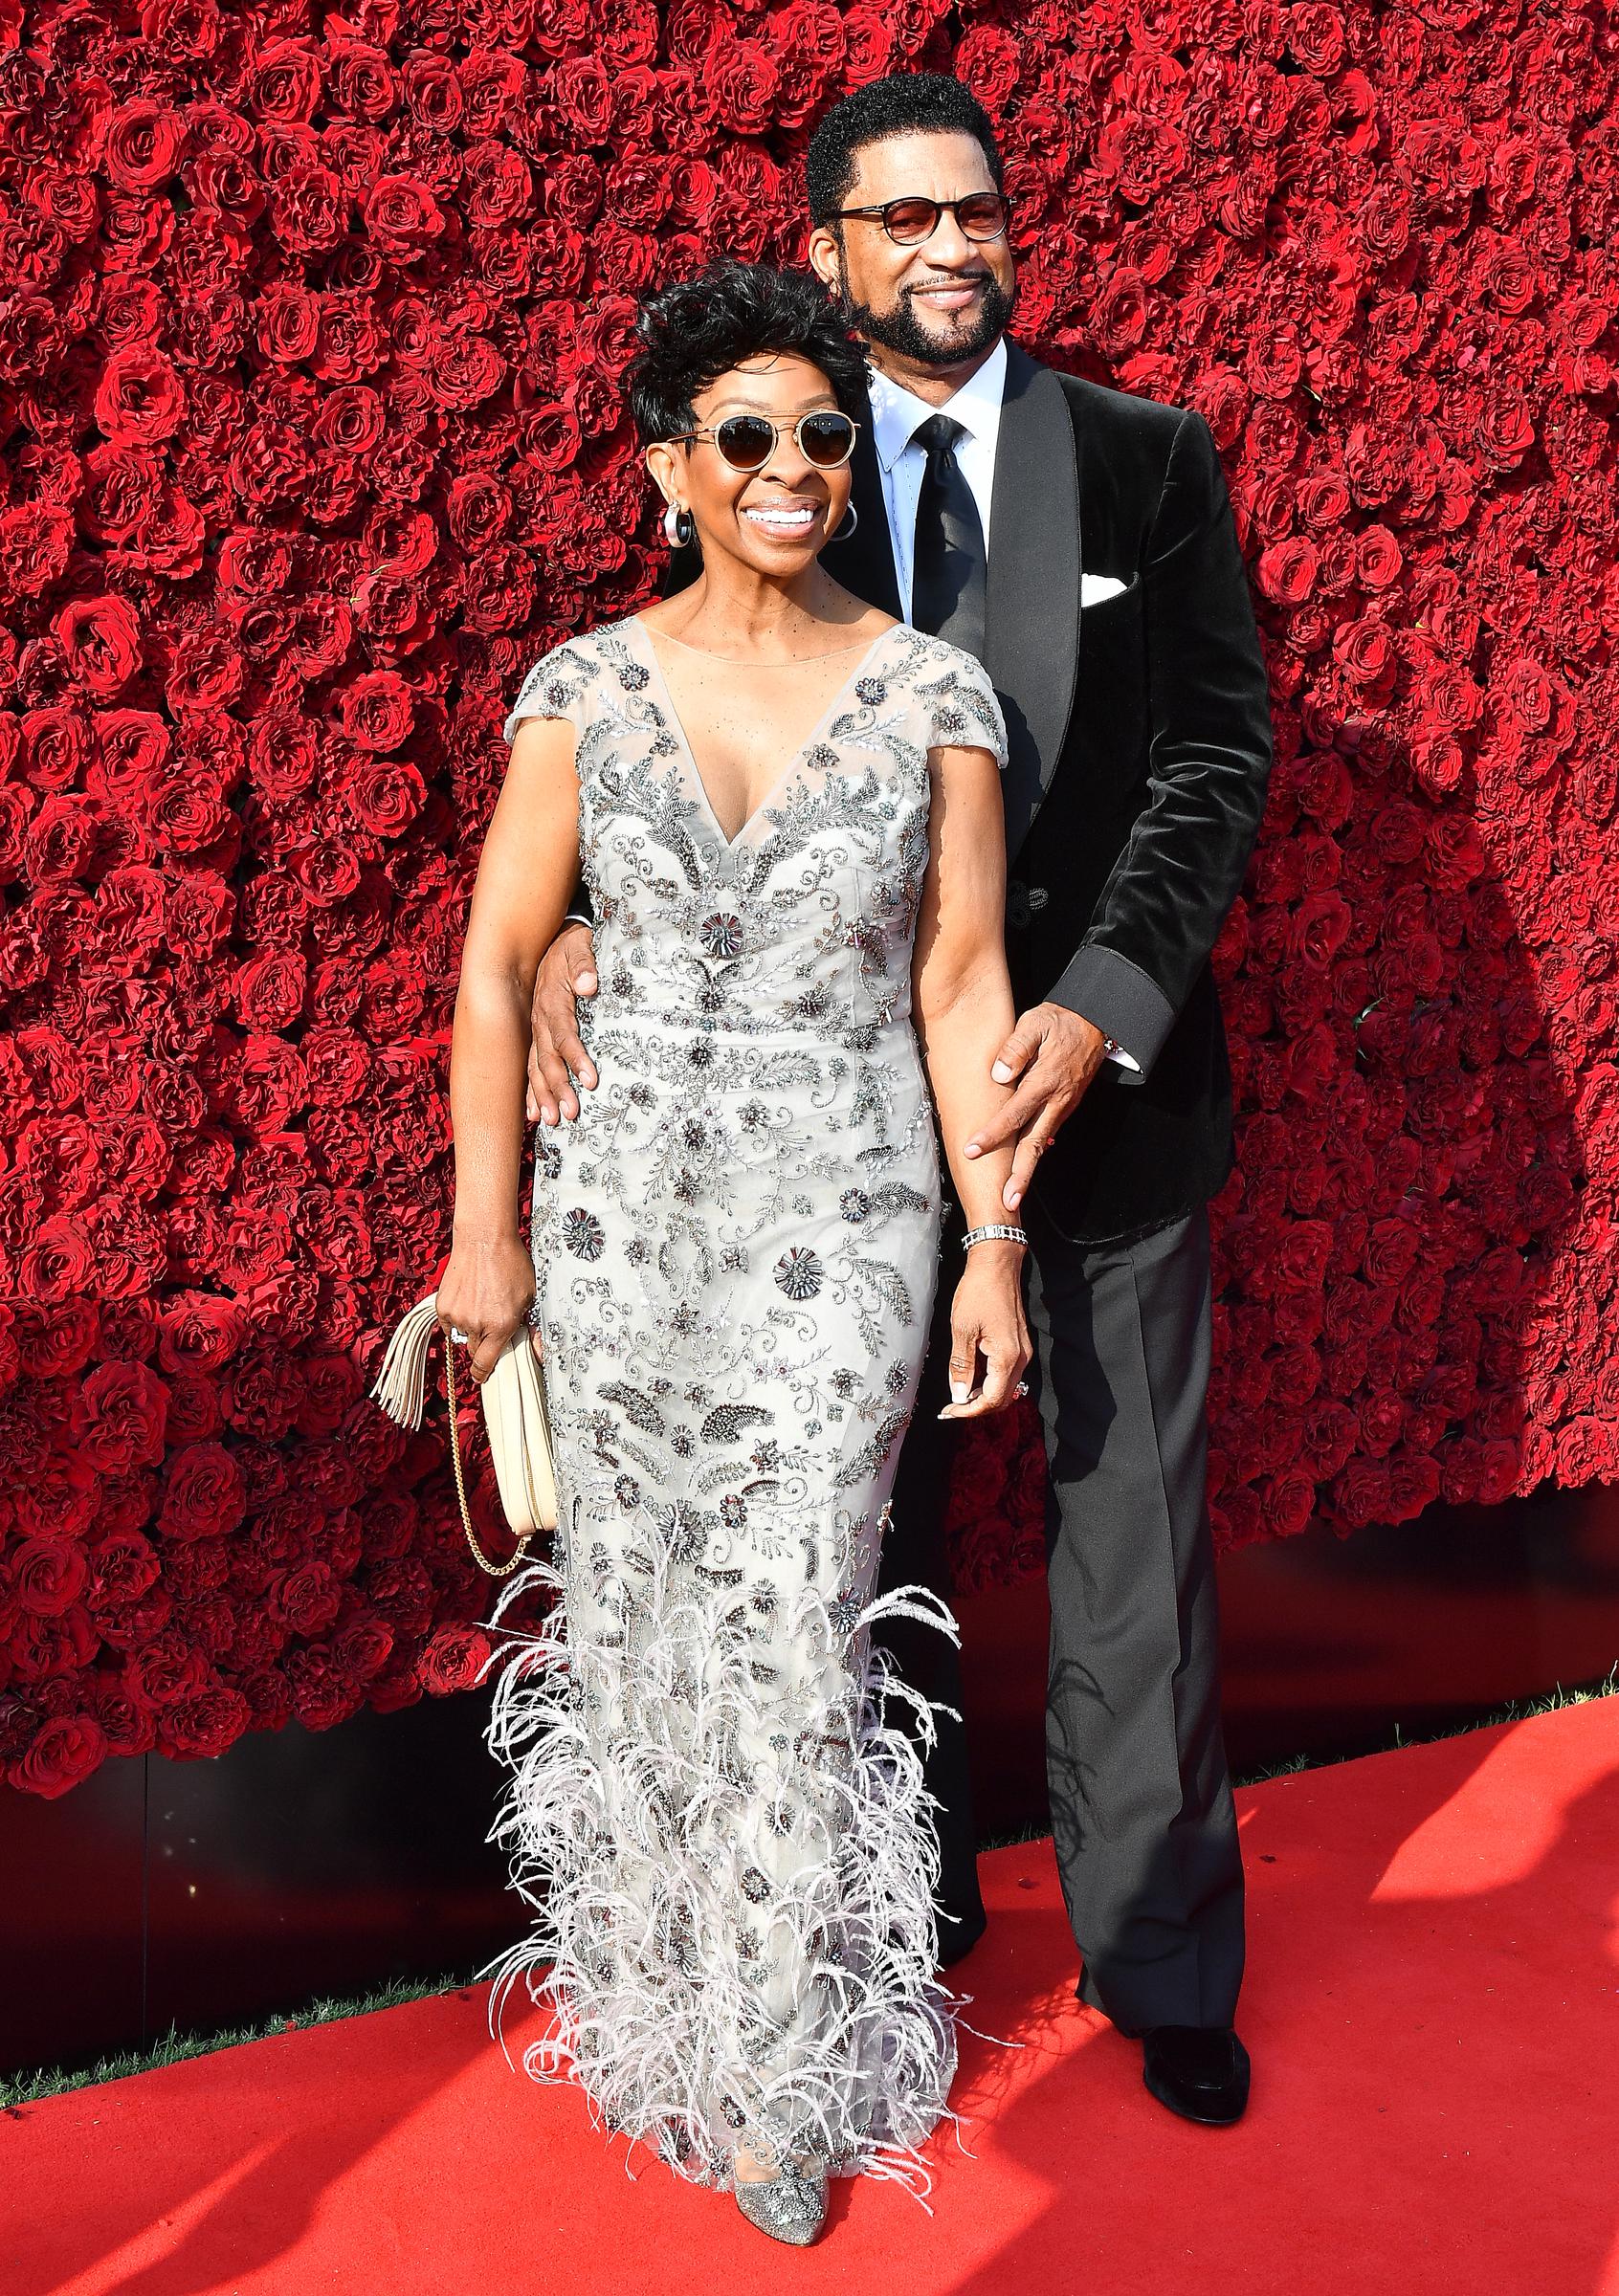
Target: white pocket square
[1095,587]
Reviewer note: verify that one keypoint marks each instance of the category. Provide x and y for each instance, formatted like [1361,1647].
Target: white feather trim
[735,1929]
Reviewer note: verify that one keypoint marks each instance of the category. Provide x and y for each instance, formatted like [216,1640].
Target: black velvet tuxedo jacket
[1140,733]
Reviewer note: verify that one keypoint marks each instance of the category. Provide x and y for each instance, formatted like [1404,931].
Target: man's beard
[900,330]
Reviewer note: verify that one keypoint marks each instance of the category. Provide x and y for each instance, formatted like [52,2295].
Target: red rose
[66,1749]
[203,1493]
[377,710]
[989,61]
[125,1567]
[323,1694]
[164,1670]
[402,215]
[49,1575]
[141,402]
[1413,1483]
[126,1726]
[204,1721]
[118,1417]
[454,1658]
[1289,1506]
[36,540]
[101,638]
[144,144]
[308,1599]
[1287,569]
[1506,430]
[363,1647]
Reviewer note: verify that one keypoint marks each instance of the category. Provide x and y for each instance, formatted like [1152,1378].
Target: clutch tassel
[401,1387]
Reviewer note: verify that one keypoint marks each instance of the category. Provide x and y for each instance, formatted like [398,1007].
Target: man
[1079,542]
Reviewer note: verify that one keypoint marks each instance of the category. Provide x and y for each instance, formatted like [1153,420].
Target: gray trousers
[1142,1816]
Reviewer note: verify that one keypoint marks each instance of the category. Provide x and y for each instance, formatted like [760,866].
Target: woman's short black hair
[699,329]
[903,103]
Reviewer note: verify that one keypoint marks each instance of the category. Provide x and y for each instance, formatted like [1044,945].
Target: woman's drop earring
[678,529]
[850,519]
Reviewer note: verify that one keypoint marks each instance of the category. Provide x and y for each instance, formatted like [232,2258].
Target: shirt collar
[897,412]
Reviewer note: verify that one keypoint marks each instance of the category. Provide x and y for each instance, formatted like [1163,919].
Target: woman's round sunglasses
[825,439]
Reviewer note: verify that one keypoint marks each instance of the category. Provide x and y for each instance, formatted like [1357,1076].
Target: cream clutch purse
[514,1412]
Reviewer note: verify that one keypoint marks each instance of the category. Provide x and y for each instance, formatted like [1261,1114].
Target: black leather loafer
[1199,2072]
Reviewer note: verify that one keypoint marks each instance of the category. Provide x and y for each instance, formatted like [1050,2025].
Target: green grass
[1516,1710]
[174,2046]
[27,2088]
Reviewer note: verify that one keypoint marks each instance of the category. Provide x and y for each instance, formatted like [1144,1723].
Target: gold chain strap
[496,1570]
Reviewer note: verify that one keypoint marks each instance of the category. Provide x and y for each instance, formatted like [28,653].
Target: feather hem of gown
[648,1989]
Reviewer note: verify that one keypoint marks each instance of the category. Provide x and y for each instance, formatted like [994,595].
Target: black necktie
[949,569]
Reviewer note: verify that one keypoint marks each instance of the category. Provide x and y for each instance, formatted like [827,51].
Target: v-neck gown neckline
[677,727]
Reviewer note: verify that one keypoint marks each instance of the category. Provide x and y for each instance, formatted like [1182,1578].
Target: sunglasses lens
[909,220]
[746,441]
[984,216]
[825,439]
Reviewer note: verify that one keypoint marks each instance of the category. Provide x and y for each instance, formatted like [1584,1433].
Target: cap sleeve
[552,689]
[962,709]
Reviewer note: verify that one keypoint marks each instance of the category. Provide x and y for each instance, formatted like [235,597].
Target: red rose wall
[310,326]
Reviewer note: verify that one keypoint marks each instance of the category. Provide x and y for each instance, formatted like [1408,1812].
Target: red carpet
[1431,2004]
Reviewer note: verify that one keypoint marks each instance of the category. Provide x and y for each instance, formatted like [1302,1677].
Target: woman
[787,808]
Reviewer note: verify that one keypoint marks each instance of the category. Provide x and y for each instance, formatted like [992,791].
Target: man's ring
[460,1337]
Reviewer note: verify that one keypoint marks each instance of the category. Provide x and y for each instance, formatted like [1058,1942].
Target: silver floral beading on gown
[727,1842]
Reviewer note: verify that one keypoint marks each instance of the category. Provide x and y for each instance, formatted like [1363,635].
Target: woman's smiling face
[774,520]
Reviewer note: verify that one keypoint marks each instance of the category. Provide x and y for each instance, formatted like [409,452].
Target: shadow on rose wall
[311,444]
[1400,1249]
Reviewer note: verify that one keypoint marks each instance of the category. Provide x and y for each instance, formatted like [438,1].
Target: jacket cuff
[1120,1000]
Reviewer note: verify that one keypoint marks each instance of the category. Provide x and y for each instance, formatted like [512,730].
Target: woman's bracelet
[982,1235]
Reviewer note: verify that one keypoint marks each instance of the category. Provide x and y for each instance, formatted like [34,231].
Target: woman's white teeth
[785,521]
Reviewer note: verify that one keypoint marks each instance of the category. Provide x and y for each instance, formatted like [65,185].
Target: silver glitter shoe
[792,2206]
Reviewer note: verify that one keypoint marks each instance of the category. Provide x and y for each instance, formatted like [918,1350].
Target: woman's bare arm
[962,1000]
[526,873]
[961,991]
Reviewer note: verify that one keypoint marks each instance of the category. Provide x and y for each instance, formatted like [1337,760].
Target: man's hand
[555,1057]
[1055,1052]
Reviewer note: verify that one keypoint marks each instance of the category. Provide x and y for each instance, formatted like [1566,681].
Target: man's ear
[826,257]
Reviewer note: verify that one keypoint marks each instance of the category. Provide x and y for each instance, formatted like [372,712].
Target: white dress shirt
[897,415]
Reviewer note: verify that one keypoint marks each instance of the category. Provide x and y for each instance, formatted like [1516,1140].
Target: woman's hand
[486,1292]
[989,1345]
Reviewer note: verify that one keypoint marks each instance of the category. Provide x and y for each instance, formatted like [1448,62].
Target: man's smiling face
[937,306]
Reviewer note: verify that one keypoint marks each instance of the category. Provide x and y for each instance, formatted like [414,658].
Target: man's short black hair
[699,328]
[904,103]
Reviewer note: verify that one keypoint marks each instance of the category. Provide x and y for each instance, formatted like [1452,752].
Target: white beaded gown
[725,1841]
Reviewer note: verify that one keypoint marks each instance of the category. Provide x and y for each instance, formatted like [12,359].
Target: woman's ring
[1022,1387]
[458,1337]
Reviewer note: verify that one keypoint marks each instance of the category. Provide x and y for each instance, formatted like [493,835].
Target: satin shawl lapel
[865,562]
[1032,600]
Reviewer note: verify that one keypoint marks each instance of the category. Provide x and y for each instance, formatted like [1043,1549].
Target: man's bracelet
[982,1235]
